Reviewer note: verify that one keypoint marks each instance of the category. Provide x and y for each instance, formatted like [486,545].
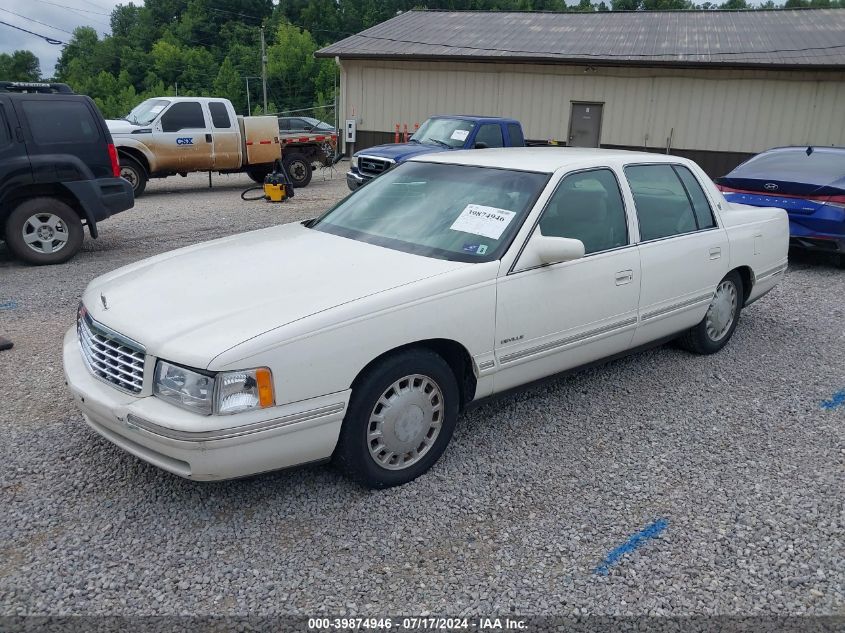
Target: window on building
[588,206]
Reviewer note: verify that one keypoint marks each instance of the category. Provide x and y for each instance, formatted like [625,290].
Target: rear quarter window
[54,121]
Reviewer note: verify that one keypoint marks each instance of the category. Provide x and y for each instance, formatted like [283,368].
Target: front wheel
[133,172]
[44,231]
[718,325]
[401,416]
[299,169]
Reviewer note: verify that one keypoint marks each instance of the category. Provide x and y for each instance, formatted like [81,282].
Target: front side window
[663,206]
[587,206]
[454,212]
[449,133]
[185,115]
[490,135]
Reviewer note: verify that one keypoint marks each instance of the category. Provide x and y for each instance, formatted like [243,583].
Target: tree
[733,5]
[21,65]
[228,84]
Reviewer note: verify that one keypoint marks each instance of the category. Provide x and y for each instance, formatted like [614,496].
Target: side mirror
[550,250]
[481,146]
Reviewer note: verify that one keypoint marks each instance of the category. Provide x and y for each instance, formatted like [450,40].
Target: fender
[137,144]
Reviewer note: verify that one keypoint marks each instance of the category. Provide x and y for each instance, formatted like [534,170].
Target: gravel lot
[735,452]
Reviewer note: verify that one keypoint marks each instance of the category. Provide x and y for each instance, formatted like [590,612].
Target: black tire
[51,223]
[700,339]
[353,453]
[298,168]
[258,174]
[134,172]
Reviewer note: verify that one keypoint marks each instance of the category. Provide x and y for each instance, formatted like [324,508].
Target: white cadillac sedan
[362,334]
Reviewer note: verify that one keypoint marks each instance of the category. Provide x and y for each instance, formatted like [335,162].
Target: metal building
[714,86]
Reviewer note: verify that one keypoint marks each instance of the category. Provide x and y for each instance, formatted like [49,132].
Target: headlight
[354,162]
[185,388]
[206,393]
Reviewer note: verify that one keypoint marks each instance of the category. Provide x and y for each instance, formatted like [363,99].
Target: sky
[62,16]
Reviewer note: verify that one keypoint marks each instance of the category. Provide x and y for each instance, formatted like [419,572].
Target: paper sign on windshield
[156,109]
[480,220]
[459,135]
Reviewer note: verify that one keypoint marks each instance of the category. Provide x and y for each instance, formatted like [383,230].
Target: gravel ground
[736,452]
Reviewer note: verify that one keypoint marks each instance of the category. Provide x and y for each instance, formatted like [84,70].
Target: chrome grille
[370,166]
[111,357]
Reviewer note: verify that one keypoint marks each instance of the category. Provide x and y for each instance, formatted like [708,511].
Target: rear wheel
[258,174]
[134,172]
[718,325]
[44,231]
[401,416]
[299,169]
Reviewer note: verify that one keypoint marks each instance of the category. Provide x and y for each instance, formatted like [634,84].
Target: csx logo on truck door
[185,140]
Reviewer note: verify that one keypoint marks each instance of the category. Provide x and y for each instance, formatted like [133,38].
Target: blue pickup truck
[437,134]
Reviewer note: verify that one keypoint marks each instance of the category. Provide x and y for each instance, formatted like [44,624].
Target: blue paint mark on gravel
[8,304]
[836,401]
[634,541]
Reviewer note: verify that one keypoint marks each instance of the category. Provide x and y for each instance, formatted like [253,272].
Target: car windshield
[145,112]
[822,167]
[454,212]
[444,132]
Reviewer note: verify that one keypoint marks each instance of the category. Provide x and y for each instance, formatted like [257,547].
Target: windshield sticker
[156,109]
[480,220]
[471,248]
[459,135]
[481,249]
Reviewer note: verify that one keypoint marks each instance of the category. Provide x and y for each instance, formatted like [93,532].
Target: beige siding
[717,110]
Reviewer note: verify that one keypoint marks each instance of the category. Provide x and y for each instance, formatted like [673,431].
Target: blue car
[808,182]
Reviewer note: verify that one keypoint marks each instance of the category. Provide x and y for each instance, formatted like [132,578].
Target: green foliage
[19,66]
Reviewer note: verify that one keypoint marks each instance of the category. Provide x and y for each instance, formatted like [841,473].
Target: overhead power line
[49,40]
[64,6]
[37,21]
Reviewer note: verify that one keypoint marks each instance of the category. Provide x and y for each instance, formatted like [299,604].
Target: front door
[585,125]
[554,317]
[182,139]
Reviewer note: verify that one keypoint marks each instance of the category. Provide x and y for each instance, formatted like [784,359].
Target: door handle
[715,252]
[208,138]
[624,277]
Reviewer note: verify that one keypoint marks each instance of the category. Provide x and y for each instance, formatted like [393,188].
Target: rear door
[183,140]
[226,139]
[683,252]
[15,170]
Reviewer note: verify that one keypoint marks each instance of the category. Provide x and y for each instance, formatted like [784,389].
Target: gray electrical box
[350,131]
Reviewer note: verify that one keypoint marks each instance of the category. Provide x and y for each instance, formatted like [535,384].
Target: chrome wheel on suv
[44,231]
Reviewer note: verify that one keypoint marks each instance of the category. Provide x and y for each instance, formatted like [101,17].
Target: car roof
[475,117]
[803,148]
[546,159]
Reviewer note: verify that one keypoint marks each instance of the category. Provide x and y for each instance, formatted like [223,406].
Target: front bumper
[355,180]
[198,447]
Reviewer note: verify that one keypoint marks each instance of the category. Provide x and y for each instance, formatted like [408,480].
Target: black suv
[58,171]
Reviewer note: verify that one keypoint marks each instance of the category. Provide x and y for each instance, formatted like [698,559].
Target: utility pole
[264,70]
[248,109]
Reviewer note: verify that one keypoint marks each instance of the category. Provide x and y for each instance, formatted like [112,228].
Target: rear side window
[490,135]
[515,132]
[588,206]
[663,207]
[5,133]
[53,121]
[700,205]
[183,116]
[219,115]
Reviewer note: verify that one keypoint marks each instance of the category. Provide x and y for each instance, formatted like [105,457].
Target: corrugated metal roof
[781,38]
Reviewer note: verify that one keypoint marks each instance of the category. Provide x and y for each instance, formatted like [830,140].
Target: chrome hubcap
[45,233]
[405,422]
[722,311]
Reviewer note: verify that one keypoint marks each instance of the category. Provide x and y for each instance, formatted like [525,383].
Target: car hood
[121,126]
[401,151]
[191,305]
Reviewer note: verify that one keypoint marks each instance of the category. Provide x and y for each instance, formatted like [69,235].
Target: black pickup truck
[58,171]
